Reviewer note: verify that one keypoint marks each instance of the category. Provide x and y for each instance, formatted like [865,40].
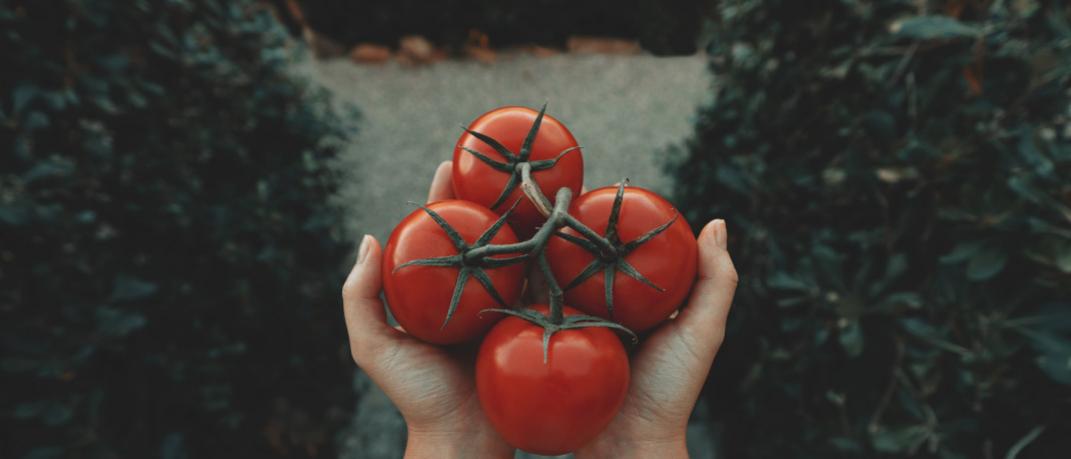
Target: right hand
[671,365]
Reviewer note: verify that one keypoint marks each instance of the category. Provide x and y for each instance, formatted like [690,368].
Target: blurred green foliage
[897,180]
[169,269]
[661,26]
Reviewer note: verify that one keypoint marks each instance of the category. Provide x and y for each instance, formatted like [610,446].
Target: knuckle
[351,289]
[718,337]
[728,271]
[347,288]
[361,350]
[732,276]
[355,353]
[356,350]
[366,350]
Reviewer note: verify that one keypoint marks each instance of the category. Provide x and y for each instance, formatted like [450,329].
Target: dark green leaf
[986,263]
[48,169]
[50,412]
[894,440]
[962,252]
[35,120]
[851,339]
[45,452]
[846,444]
[22,95]
[173,446]
[783,281]
[114,322]
[128,288]
[14,214]
[932,27]
[1057,366]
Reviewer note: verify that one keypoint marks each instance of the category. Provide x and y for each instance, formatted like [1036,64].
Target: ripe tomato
[556,406]
[476,180]
[419,296]
[667,260]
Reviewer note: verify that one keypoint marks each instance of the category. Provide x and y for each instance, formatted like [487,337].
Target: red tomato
[554,407]
[475,180]
[667,260]
[419,296]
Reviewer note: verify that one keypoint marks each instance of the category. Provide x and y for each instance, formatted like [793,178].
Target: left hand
[433,387]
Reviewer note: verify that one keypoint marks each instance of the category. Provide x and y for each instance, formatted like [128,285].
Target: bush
[169,274]
[897,180]
[663,27]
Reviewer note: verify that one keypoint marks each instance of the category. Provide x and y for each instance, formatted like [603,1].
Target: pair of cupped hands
[434,388]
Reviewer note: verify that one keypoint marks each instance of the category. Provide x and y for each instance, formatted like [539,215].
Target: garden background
[183,183]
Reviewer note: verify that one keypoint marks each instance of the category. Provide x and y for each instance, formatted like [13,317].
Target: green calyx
[472,260]
[611,259]
[514,161]
[468,267]
[572,322]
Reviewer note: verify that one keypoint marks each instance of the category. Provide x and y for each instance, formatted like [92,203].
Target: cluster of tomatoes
[550,377]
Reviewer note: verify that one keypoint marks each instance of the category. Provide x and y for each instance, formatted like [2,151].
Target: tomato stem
[603,244]
[473,259]
[608,249]
[532,191]
[556,294]
[537,241]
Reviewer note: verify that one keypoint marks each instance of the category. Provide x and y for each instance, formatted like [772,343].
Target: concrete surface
[622,109]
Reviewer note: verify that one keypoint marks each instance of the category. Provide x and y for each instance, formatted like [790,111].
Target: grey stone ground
[622,109]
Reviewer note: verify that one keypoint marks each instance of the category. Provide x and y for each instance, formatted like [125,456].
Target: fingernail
[720,233]
[362,252]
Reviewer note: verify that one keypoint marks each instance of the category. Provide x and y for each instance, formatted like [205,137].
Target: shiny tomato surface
[474,180]
[419,296]
[554,407]
[668,260]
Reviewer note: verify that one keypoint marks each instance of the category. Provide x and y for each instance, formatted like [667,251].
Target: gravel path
[622,109]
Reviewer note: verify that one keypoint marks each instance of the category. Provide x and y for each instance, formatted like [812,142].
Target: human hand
[433,387]
[671,365]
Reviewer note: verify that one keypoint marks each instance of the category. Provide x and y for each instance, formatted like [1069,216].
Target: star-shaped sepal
[572,322]
[513,161]
[611,258]
[468,268]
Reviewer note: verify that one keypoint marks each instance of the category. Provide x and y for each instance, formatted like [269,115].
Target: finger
[704,317]
[366,321]
[441,186]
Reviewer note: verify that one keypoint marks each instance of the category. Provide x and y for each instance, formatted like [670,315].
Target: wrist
[460,444]
[668,448]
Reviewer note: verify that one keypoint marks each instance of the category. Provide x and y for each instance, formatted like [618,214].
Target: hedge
[170,268]
[896,176]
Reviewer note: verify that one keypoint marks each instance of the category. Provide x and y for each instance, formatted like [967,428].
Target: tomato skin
[419,296]
[555,407]
[473,180]
[668,260]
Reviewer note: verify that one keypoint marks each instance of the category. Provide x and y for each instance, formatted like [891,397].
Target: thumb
[366,321]
[703,319]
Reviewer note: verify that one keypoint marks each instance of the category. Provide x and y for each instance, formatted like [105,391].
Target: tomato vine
[608,249]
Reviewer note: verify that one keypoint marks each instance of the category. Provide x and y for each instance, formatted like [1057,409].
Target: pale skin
[434,389]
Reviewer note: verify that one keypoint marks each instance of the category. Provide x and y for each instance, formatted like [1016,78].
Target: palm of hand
[430,385]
